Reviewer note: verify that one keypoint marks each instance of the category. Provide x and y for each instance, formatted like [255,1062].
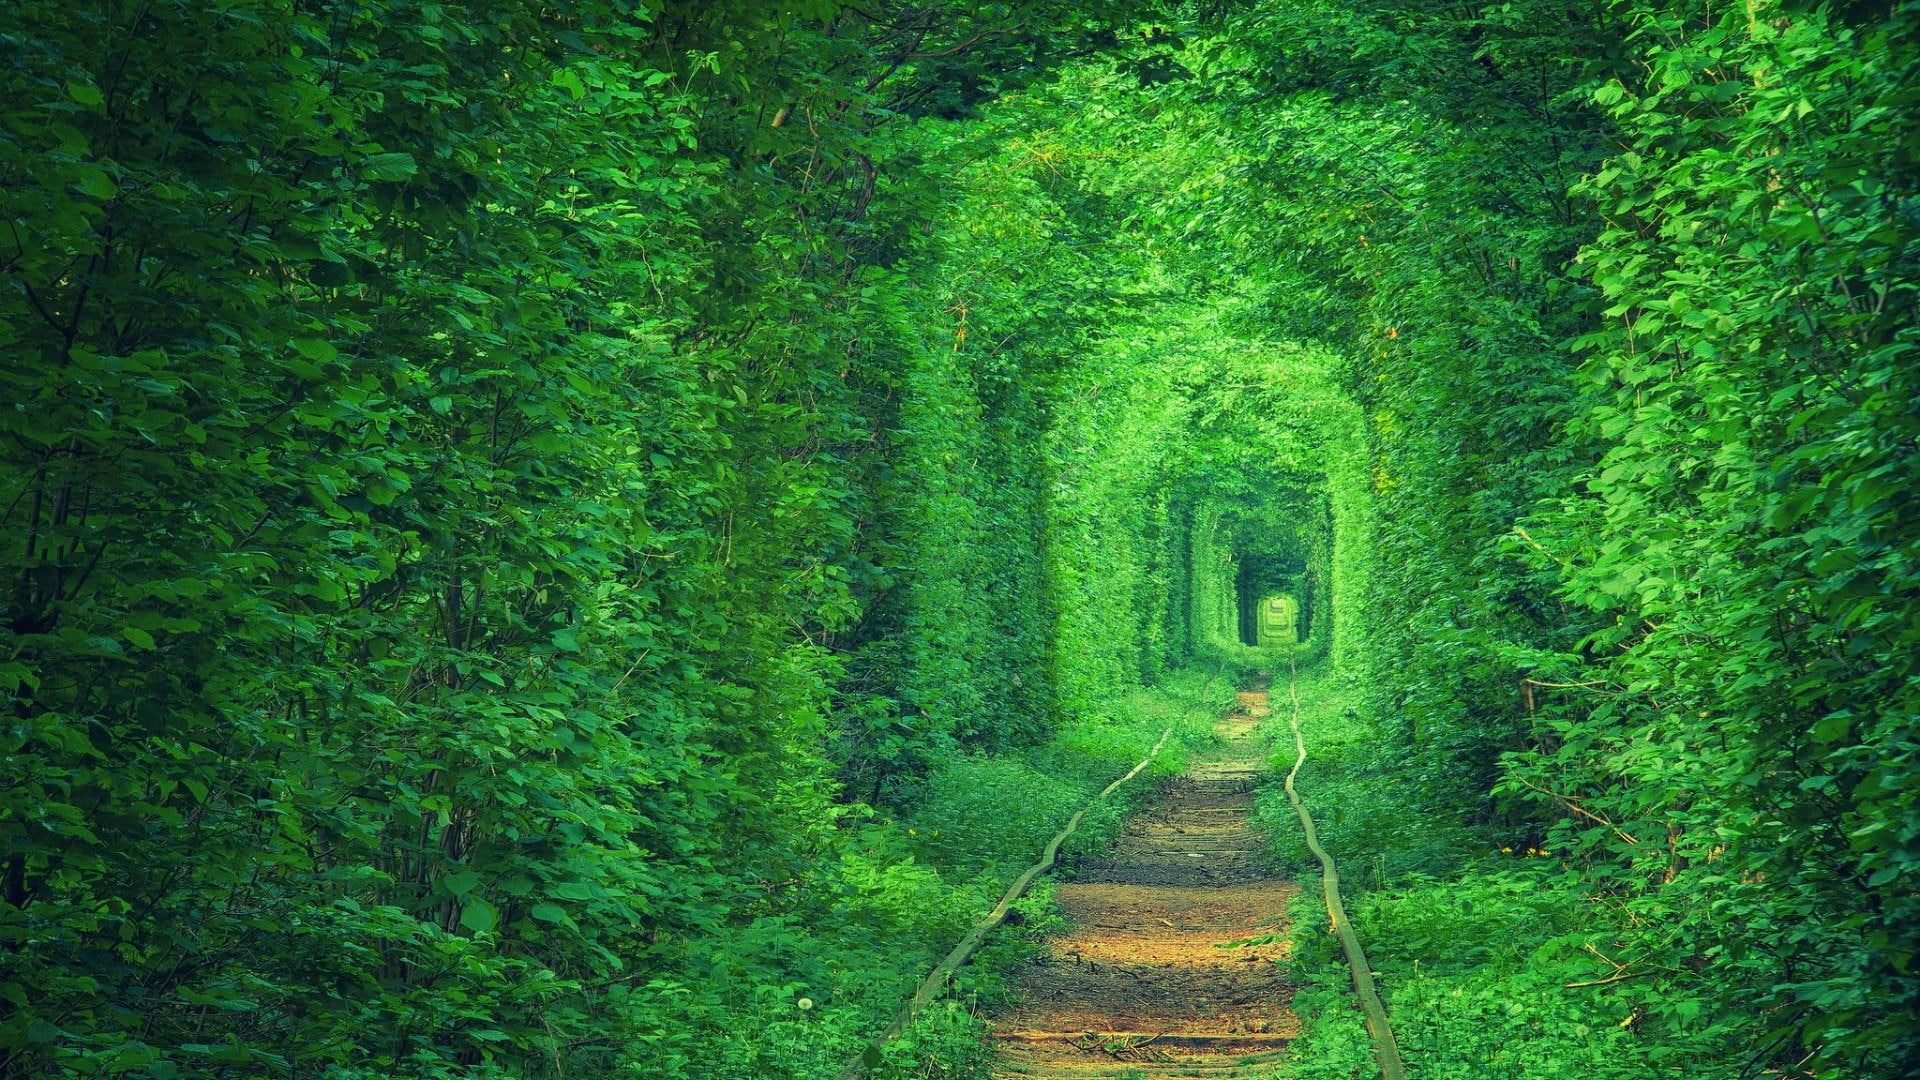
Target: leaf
[318,350]
[85,93]
[460,883]
[389,166]
[569,80]
[479,916]
[138,636]
[1833,727]
[94,181]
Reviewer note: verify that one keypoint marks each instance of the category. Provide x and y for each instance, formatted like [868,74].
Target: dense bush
[466,511]
[1626,291]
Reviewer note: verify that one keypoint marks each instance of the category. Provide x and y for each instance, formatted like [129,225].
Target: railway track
[1175,961]
[1150,980]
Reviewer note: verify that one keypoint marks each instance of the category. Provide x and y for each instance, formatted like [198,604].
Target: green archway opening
[1277,622]
[1269,583]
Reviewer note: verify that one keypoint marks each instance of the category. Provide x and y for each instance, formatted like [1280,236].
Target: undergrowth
[1473,937]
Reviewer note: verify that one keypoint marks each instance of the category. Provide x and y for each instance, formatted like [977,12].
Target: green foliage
[537,537]
[1501,969]
[1751,566]
[1643,591]
[1384,815]
[450,456]
[347,514]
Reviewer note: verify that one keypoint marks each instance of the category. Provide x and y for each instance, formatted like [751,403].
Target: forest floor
[1155,975]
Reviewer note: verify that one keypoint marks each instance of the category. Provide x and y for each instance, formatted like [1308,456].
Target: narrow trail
[1141,984]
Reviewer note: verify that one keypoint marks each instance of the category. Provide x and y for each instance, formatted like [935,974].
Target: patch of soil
[1174,965]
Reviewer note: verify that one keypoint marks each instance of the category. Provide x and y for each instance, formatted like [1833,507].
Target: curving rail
[935,983]
[1385,1051]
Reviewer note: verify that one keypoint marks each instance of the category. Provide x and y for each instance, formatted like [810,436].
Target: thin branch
[1577,808]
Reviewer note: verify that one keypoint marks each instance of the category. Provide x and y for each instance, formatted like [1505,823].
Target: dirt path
[1140,984]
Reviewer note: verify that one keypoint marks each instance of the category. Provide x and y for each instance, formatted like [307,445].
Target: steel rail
[935,983]
[1386,1051]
